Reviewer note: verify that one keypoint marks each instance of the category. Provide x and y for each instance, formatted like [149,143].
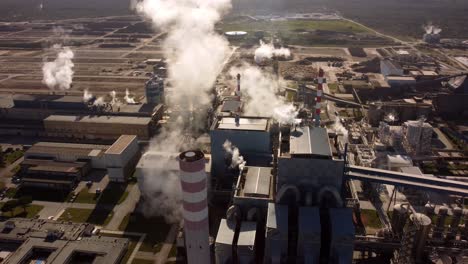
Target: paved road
[123,209]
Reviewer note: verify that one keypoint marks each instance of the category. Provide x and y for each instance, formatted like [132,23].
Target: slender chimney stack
[238,91]
[318,99]
[194,188]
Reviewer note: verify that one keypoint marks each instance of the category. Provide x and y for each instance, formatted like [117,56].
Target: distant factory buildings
[28,114]
[61,165]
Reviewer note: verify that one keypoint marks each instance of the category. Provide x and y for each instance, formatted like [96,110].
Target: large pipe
[195,207]
[318,99]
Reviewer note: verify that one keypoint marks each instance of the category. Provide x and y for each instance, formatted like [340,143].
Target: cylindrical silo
[423,225]
[399,218]
[195,207]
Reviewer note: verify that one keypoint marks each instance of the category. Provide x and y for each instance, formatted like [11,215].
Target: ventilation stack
[194,188]
[318,100]
[238,91]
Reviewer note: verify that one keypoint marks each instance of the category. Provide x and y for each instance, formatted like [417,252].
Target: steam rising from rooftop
[260,94]
[128,98]
[267,51]
[432,29]
[87,96]
[236,159]
[58,74]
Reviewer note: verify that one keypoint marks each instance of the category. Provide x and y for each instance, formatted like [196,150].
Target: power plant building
[225,241]
[276,240]
[98,127]
[309,235]
[62,165]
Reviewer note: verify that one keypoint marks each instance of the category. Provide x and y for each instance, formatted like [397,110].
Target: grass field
[77,215]
[370,218]
[31,211]
[294,25]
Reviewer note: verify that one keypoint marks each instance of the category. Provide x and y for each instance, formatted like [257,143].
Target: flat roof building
[98,127]
[47,241]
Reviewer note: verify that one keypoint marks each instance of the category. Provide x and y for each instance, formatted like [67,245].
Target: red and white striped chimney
[318,99]
[195,206]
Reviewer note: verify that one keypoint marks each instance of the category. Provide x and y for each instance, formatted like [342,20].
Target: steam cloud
[267,51]
[340,129]
[115,100]
[432,29]
[195,55]
[260,94]
[58,74]
[236,158]
[87,96]
[128,98]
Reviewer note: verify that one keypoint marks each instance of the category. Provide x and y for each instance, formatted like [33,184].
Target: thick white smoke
[114,99]
[340,129]
[432,29]
[267,51]
[260,95]
[99,101]
[58,74]
[128,98]
[236,158]
[195,54]
[194,51]
[87,95]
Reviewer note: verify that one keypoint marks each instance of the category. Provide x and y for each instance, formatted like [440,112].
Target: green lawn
[370,218]
[113,194]
[333,87]
[11,193]
[97,217]
[13,156]
[31,211]
[155,235]
[86,197]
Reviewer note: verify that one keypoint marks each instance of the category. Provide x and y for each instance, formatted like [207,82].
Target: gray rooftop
[121,144]
[257,182]
[245,123]
[309,141]
[231,106]
[226,233]
[247,233]
[100,119]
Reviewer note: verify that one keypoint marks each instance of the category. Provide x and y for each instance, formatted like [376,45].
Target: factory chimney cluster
[194,180]
[318,102]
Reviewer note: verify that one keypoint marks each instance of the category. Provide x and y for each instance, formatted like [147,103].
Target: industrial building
[26,114]
[62,165]
[47,241]
[98,127]
[391,68]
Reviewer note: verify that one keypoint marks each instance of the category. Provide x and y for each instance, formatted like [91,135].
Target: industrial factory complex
[285,152]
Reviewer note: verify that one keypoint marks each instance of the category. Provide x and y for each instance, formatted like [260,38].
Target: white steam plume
[58,74]
[195,54]
[99,101]
[128,98]
[340,129]
[194,51]
[236,158]
[267,51]
[87,95]
[432,29]
[115,100]
[260,94]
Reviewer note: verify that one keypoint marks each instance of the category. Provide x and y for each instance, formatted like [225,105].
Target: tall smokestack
[318,100]
[194,188]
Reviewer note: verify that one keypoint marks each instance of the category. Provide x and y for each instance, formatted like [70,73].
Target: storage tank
[154,89]
[423,227]
[399,218]
[193,179]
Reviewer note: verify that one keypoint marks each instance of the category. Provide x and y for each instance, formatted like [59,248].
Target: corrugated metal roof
[309,141]
[257,181]
[100,119]
[231,106]
[121,144]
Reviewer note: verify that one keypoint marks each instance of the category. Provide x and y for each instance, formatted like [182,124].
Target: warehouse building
[98,127]
[46,241]
[62,165]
